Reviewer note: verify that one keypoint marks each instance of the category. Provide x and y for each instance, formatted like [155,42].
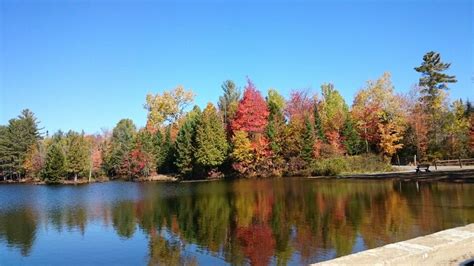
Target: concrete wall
[448,247]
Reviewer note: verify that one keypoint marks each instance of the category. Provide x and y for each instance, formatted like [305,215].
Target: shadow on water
[243,221]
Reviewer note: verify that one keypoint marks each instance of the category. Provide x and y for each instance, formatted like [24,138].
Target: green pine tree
[20,134]
[308,142]
[158,149]
[318,126]
[121,143]
[276,121]
[6,165]
[211,141]
[351,139]
[146,140]
[229,101]
[77,154]
[167,154]
[433,81]
[275,131]
[55,164]
[185,144]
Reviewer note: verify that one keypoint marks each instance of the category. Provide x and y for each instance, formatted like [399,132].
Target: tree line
[250,135]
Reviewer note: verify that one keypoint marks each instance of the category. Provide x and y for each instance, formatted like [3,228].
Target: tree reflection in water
[249,221]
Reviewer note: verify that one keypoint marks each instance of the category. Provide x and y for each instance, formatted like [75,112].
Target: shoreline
[451,175]
[455,176]
[453,246]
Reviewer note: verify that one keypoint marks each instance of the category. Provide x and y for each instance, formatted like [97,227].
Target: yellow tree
[378,110]
[333,113]
[168,106]
[390,137]
[242,152]
[458,131]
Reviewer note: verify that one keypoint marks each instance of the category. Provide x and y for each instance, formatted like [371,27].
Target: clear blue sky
[87,64]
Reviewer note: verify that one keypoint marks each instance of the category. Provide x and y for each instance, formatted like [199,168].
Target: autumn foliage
[252,112]
[309,133]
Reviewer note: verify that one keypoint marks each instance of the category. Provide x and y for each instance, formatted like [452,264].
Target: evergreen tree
[351,139]
[318,126]
[211,142]
[276,129]
[20,134]
[146,140]
[469,109]
[77,154]
[272,135]
[185,143]
[158,149]
[433,83]
[167,153]
[307,152]
[55,164]
[184,149]
[433,80]
[5,154]
[121,143]
[276,120]
[229,101]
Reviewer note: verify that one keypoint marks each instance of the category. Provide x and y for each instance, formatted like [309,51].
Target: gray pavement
[449,247]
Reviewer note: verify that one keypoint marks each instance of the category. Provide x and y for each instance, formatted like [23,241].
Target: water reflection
[261,222]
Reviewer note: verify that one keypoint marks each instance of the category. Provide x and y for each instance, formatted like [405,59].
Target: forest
[251,135]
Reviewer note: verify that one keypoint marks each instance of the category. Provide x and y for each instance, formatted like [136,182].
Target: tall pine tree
[228,102]
[167,153]
[185,144]
[351,139]
[433,82]
[275,131]
[318,126]
[211,142]
[55,164]
[307,152]
[20,134]
[121,144]
[77,154]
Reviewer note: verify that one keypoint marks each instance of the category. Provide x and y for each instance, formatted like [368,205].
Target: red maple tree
[252,112]
[300,106]
[137,163]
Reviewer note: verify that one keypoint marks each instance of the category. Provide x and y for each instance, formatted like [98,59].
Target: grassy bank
[350,165]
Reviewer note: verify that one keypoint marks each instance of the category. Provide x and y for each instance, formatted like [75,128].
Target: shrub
[330,166]
[350,164]
[368,164]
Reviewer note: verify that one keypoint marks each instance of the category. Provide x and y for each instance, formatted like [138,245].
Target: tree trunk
[75,177]
[366,141]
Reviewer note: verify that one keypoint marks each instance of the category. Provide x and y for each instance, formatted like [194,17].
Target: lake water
[281,221]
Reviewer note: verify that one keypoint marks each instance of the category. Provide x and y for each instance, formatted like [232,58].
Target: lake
[259,222]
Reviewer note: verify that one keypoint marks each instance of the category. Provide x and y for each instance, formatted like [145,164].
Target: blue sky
[83,65]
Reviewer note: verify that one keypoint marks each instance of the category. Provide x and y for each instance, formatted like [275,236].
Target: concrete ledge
[448,247]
